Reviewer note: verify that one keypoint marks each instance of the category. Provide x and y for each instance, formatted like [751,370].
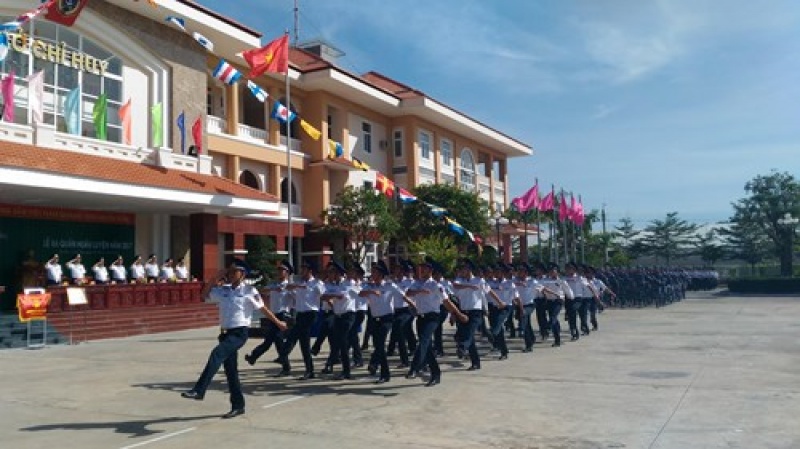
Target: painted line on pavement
[285,401]
[162,437]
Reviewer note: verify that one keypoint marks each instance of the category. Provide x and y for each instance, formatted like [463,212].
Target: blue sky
[645,106]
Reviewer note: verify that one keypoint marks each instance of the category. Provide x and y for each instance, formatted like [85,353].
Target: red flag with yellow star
[273,57]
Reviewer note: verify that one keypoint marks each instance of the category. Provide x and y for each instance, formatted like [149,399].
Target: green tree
[359,216]
[626,239]
[440,247]
[668,238]
[769,198]
[466,208]
[261,256]
[708,249]
[746,242]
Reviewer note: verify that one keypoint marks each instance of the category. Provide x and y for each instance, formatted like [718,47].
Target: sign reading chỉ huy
[57,53]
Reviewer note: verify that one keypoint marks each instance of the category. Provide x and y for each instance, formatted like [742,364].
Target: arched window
[467,169]
[249,179]
[285,192]
[294,127]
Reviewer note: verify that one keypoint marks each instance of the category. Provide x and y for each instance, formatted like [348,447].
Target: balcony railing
[216,125]
[249,132]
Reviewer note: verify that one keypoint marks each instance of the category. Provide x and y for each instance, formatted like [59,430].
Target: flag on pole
[578,215]
[181,122]
[36,96]
[454,226]
[3,46]
[157,118]
[335,149]
[273,57]
[357,163]
[207,44]
[65,12]
[257,91]
[572,211]
[405,196]
[177,21]
[436,210]
[547,203]
[563,212]
[314,133]
[226,73]
[24,18]
[7,88]
[384,184]
[125,120]
[197,135]
[72,111]
[528,201]
[281,113]
[100,117]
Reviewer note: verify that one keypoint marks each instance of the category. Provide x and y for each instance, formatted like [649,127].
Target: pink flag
[547,203]
[7,88]
[36,96]
[527,201]
[563,211]
[572,211]
[578,215]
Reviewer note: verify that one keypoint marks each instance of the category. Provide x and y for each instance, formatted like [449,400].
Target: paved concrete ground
[704,373]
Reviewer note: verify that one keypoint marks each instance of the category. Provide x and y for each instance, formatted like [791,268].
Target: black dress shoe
[411,375]
[433,381]
[342,377]
[233,413]
[249,359]
[556,344]
[358,365]
[503,357]
[191,394]
[327,370]
[372,370]
[381,381]
[473,368]
[314,351]
[283,373]
[306,376]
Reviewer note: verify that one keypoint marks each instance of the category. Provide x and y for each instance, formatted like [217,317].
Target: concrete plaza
[712,371]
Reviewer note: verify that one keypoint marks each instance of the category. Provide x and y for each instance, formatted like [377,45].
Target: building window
[425,145]
[249,179]
[467,169]
[447,153]
[330,127]
[285,192]
[60,79]
[366,136]
[368,185]
[398,143]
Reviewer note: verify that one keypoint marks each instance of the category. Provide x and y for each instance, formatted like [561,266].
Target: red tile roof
[221,17]
[113,170]
[396,88]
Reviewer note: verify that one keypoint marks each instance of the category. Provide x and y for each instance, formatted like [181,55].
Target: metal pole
[289,169]
[605,236]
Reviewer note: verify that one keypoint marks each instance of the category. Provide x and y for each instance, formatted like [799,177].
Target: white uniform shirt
[599,286]
[344,302]
[117,272]
[53,272]
[560,287]
[236,305]
[403,285]
[279,300]
[529,289]
[469,298]
[151,270]
[182,273]
[137,271]
[100,274]
[383,304]
[76,270]
[507,291]
[167,272]
[579,286]
[427,302]
[306,299]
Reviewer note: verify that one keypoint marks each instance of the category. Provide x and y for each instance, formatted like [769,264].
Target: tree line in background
[758,231]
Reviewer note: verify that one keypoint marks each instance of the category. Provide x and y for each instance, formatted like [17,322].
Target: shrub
[764,285]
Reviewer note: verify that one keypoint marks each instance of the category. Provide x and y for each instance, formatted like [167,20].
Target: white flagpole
[289,167]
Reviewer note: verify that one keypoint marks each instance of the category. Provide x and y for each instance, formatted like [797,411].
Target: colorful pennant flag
[207,44]
[197,135]
[260,94]
[454,226]
[72,111]
[65,12]
[405,196]
[335,149]
[125,119]
[312,132]
[384,184]
[3,46]
[100,117]
[36,96]
[357,163]
[226,73]
[181,122]
[273,57]
[157,117]
[7,88]
[281,113]
[24,18]
[436,210]
[177,21]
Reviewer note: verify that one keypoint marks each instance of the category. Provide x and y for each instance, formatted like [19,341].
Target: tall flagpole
[289,163]
[563,230]
[583,237]
[553,235]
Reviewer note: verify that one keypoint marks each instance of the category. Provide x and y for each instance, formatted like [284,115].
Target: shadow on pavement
[132,428]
